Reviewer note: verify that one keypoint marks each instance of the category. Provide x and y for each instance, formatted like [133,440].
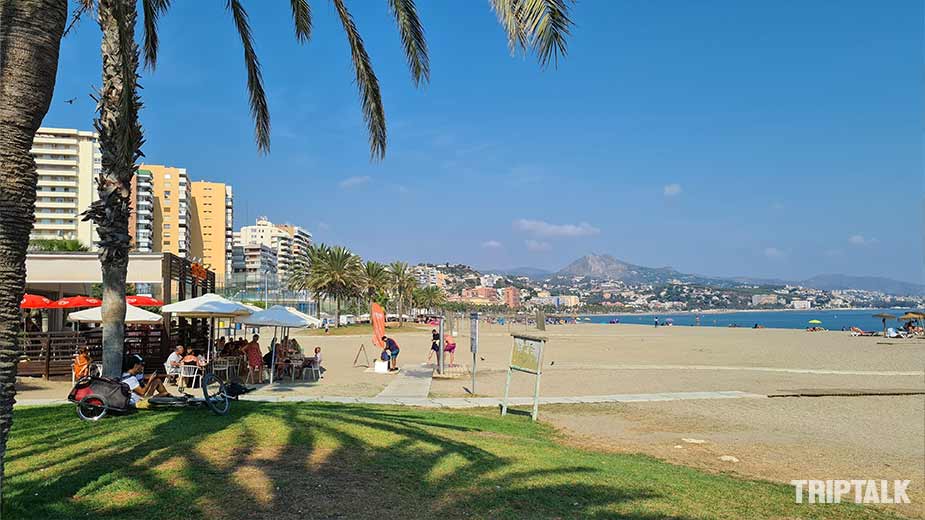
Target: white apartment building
[144,212]
[289,242]
[67,160]
[426,276]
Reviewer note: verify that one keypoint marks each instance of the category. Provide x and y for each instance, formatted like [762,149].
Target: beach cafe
[63,277]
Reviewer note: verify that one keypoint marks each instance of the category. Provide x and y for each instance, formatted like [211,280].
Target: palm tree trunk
[30,36]
[337,311]
[120,146]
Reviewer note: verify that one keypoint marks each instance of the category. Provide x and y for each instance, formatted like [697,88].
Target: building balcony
[46,193]
[38,150]
[39,162]
[69,183]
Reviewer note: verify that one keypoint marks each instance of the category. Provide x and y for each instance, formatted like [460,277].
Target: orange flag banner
[377,317]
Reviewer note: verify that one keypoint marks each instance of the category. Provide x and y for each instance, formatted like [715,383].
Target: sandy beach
[871,435]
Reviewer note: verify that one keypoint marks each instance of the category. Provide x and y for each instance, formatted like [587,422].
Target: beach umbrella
[76,302]
[815,322]
[282,317]
[143,301]
[883,317]
[34,301]
[911,316]
[133,315]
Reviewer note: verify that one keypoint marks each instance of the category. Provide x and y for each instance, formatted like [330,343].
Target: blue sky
[774,139]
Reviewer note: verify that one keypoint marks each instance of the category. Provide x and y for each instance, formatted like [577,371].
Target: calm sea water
[831,319]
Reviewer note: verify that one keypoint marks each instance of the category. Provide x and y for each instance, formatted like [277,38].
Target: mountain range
[606,267]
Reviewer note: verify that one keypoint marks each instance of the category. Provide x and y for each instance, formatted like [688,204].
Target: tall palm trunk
[120,146]
[30,35]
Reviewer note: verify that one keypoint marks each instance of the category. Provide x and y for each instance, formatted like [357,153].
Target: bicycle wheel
[213,389]
[91,408]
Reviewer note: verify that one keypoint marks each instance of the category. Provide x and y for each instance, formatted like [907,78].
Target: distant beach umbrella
[815,322]
[883,317]
[911,316]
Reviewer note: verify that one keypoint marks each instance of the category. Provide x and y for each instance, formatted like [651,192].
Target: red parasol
[74,302]
[143,301]
[34,301]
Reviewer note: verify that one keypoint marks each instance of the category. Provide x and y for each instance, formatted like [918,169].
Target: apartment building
[210,228]
[289,242]
[172,196]
[511,297]
[254,265]
[141,221]
[67,160]
[427,276]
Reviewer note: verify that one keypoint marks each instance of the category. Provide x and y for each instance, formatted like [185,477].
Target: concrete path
[470,402]
[411,382]
[818,371]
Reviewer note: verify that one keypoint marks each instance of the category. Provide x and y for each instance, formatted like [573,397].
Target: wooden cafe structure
[58,275]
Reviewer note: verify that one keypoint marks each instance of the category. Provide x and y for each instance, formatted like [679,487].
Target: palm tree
[537,25]
[375,279]
[430,298]
[403,284]
[300,275]
[30,37]
[338,275]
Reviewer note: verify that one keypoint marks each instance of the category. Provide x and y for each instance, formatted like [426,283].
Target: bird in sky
[70,101]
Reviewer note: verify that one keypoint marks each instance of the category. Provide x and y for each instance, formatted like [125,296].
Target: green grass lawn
[337,461]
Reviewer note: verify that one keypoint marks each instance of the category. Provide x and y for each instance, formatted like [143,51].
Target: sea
[831,319]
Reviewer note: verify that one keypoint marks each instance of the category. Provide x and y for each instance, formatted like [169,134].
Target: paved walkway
[472,402]
[817,371]
[410,382]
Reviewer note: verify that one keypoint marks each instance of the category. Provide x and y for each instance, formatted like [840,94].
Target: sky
[723,138]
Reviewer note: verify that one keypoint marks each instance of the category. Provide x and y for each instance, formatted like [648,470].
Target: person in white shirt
[133,374]
[174,362]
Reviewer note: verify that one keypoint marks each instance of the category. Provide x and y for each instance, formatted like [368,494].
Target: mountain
[606,267]
[610,268]
[829,282]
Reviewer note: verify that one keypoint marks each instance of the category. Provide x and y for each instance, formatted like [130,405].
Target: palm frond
[83,6]
[546,26]
[302,17]
[153,9]
[412,38]
[507,12]
[368,84]
[258,98]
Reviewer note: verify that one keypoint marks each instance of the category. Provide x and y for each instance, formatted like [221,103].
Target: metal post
[266,289]
[272,357]
[474,344]
[440,348]
[507,387]
[536,393]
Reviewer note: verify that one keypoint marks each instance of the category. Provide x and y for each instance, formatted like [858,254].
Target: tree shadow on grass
[314,460]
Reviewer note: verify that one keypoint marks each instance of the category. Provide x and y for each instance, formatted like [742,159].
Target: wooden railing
[49,354]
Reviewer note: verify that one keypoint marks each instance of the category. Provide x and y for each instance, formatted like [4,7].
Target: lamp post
[266,288]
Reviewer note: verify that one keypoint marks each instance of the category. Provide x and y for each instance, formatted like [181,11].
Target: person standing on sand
[656,322]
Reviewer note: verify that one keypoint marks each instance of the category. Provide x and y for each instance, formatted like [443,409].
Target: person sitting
[191,358]
[82,363]
[392,346]
[133,368]
[251,352]
[294,346]
[173,363]
[315,361]
[282,358]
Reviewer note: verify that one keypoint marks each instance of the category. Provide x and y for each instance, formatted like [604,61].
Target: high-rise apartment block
[211,217]
[289,242]
[66,160]
[172,196]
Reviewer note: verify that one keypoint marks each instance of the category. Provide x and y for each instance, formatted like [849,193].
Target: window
[166,226]
[166,194]
[166,242]
[166,175]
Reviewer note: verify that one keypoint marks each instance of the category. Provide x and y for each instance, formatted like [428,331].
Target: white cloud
[861,240]
[353,182]
[672,190]
[537,246]
[491,244]
[545,229]
[773,252]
